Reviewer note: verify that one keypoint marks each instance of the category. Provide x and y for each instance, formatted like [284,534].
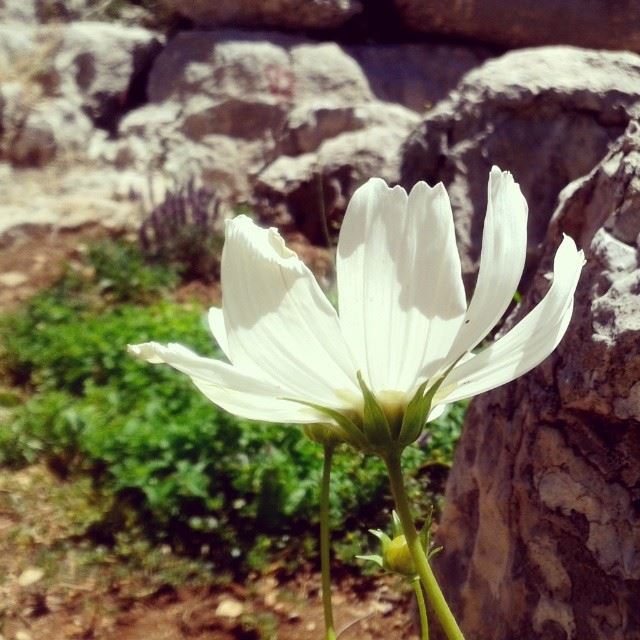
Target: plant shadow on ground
[161,484]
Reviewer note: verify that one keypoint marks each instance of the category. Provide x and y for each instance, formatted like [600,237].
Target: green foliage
[179,468]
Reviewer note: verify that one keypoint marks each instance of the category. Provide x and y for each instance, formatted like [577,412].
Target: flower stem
[422,609]
[330,633]
[427,577]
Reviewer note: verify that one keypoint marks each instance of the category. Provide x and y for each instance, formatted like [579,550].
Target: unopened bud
[397,557]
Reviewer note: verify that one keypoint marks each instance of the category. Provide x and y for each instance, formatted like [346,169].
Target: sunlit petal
[530,341]
[219,331]
[504,247]
[233,390]
[279,324]
[401,298]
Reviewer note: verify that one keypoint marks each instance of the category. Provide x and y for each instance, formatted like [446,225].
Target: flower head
[403,343]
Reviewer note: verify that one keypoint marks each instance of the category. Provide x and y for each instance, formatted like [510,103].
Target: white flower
[403,318]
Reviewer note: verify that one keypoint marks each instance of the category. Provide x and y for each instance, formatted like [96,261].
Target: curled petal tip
[145,351]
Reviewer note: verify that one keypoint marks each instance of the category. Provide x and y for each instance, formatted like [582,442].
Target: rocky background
[286,106]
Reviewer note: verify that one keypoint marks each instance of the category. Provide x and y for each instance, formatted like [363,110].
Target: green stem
[422,609]
[427,577]
[330,633]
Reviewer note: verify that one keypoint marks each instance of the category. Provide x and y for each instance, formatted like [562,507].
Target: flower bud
[397,557]
[323,433]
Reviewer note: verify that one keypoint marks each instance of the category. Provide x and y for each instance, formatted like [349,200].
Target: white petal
[504,248]
[219,331]
[529,342]
[256,407]
[437,412]
[433,273]
[226,386]
[400,291]
[205,369]
[279,324]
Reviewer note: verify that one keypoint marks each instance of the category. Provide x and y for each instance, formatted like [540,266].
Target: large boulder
[541,525]
[282,14]
[415,75]
[598,23]
[226,104]
[545,114]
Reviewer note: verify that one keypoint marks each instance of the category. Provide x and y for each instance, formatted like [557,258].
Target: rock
[600,24]
[545,114]
[100,64]
[325,68]
[283,14]
[229,106]
[261,66]
[13,279]
[30,576]
[38,11]
[310,192]
[229,608]
[25,11]
[71,197]
[48,128]
[415,75]
[541,528]
[17,45]
[61,80]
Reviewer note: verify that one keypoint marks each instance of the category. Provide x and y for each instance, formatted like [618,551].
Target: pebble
[30,576]
[12,278]
[229,608]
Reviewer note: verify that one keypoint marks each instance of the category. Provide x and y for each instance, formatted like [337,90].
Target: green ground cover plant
[161,458]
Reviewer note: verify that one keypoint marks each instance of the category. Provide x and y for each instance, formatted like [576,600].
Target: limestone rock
[262,66]
[546,114]
[310,192]
[49,128]
[72,197]
[283,14]
[598,24]
[541,527]
[226,105]
[25,11]
[99,63]
[415,75]
[61,80]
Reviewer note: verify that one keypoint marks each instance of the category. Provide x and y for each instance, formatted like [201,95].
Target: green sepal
[373,558]
[396,524]
[385,540]
[414,417]
[418,410]
[375,424]
[346,427]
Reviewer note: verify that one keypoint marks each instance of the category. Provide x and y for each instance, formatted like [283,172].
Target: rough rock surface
[310,192]
[60,81]
[284,14]
[598,23]
[541,526]
[415,75]
[226,104]
[545,114]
